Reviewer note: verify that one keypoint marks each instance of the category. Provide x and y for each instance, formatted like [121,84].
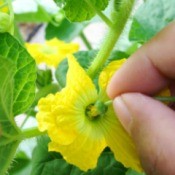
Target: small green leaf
[150,18]
[8,128]
[66,31]
[44,78]
[59,2]
[45,163]
[25,75]
[78,11]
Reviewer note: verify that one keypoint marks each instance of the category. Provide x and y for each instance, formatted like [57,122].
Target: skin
[150,123]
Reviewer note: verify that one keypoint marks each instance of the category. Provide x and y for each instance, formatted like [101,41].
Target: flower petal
[120,142]
[83,152]
[47,120]
[80,83]
[108,72]
[63,114]
[64,48]
[52,52]
[44,118]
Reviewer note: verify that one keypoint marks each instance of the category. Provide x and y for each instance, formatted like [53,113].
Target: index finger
[150,69]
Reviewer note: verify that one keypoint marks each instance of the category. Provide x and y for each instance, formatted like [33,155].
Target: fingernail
[123,114]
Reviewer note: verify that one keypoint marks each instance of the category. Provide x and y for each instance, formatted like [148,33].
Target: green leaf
[150,18]
[7,69]
[25,75]
[7,153]
[45,163]
[8,129]
[44,78]
[58,2]
[132,172]
[116,55]
[76,10]
[22,162]
[66,31]
[7,124]
[39,16]
[21,165]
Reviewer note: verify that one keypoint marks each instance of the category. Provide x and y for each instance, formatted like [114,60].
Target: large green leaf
[51,163]
[77,10]
[8,129]
[150,18]
[66,31]
[25,75]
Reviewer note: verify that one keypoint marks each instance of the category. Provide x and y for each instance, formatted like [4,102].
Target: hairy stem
[160,98]
[113,35]
[165,99]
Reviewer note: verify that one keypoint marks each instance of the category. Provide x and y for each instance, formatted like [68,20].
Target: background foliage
[19,76]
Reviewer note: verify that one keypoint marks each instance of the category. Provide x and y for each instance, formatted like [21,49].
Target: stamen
[96,110]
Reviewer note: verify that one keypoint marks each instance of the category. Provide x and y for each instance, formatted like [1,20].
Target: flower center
[96,110]
[49,49]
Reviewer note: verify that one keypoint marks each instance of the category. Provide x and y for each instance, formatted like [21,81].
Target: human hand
[150,123]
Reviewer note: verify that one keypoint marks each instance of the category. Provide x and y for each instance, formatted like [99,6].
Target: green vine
[115,31]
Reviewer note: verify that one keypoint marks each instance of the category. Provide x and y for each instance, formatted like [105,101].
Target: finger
[152,126]
[149,69]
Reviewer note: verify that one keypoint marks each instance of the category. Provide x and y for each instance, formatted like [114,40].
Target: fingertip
[152,126]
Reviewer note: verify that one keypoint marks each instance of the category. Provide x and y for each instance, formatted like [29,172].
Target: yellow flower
[79,123]
[52,52]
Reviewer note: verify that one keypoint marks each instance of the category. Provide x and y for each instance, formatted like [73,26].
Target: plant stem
[112,37]
[24,122]
[100,14]
[85,40]
[107,103]
[165,99]
[160,98]
[32,132]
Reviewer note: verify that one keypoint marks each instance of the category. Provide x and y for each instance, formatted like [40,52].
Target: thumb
[151,124]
